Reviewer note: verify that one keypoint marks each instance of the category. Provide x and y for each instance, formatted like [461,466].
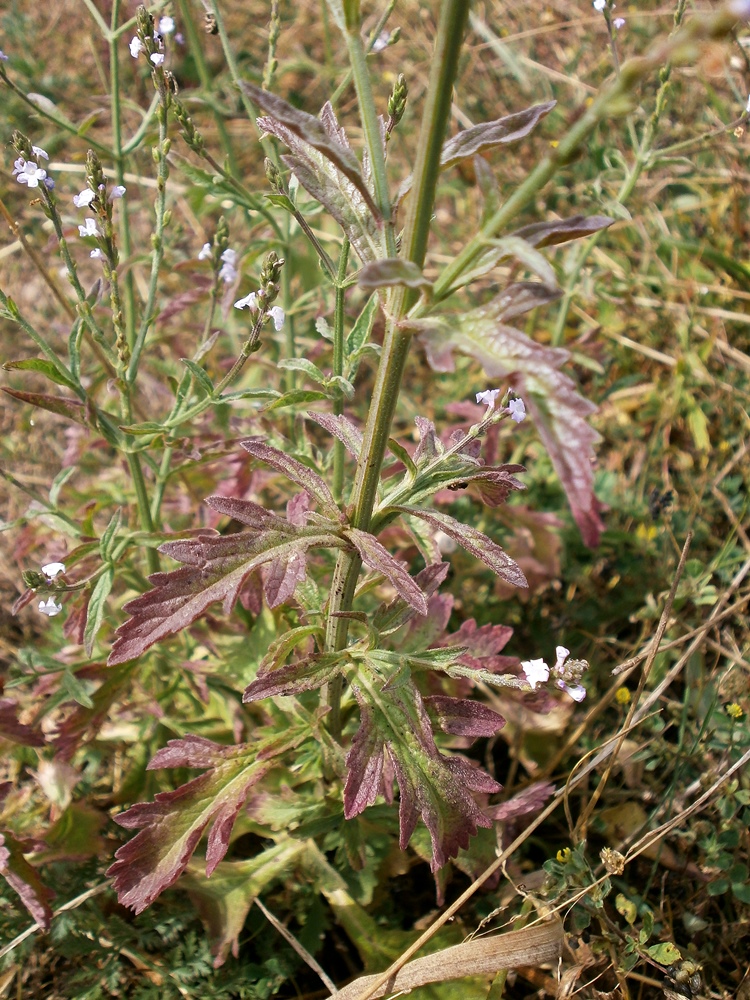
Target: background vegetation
[655,316]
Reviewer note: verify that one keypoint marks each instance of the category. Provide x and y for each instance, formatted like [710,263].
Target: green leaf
[403,456]
[303,365]
[97,604]
[58,482]
[200,375]
[524,253]
[360,332]
[296,397]
[73,687]
[107,541]
[47,368]
[665,953]
[741,891]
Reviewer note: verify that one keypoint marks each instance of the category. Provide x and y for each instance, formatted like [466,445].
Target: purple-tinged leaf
[25,599]
[64,407]
[24,879]
[216,568]
[481,641]
[432,786]
[84,723]
[172,825]
[306,674]
[342,428]
[463,717]
[526,803]
[390,271]
[558,411]
[429,445]
[475,542]
[13,730]
[297,508]
[247,512]
[282,577]
[547,234]
[312,132]
[502,131]
[378,558]
[522,296]
[300,474]
[397,612]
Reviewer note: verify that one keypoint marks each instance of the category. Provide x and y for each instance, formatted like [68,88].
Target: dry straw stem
[371,986]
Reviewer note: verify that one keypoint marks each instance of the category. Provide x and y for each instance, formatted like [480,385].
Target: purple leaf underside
[300,474]
[171,826]
[306,674]
[432,786]
[13,730]
[475,542]
[391,271]
[24,879]
[342,428]
[378,558]
[502,131]
[463,717]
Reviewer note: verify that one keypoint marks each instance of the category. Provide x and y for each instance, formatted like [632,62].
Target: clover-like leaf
[172,825]
[24,879]
[431,785]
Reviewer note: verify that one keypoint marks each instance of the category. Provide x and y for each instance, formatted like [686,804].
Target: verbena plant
[332,661]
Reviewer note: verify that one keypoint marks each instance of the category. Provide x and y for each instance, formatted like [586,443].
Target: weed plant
[316,447]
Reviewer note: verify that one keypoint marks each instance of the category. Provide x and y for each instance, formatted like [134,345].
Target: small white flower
[537,672]
[230,257]
[88,228]
[157,58]
[488,397]
[38,151]
[619,22]
[50,607]
[84,199]
[136,47]
[576,691]
[29,173]
[249,302]
[517,410]
[97,254]
[205,253]
[747,106]
[562,654]
[227,273]
[3,57]
[117,192]
[53,569]
[166,25]
[277,315]
[382,41]
[600,5]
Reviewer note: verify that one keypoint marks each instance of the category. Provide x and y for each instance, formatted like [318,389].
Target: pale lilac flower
[569,674]
[277,315]
[619,22]
[157,58]
[741,8]
[205,253]
[27,172]
[117,192]
[576,691]
[249,302]
[517,410]
[38,151]
[600,5]
[166,25]
[488,397]
[53,569]
[228,270]
[136,47]
[382,41]
[3,57]
[97,254]
[88,228]
[50,607]
[48,183]
[84,199]
[747,106]
[537,672]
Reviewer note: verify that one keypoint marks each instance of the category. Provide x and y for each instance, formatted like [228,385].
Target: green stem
[338,368]
[144,509]
[453,16]
[126,243]
[374,35]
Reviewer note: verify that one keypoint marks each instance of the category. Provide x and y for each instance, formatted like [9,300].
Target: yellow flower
[622,696]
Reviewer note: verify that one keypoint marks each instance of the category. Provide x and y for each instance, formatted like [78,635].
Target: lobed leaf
[432,786]
[216,568]
[558,411]
[297,472]
[391,616]
[475,542]
[312,131]
[172,825]
[305,674]
[24,879]
[378,558]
